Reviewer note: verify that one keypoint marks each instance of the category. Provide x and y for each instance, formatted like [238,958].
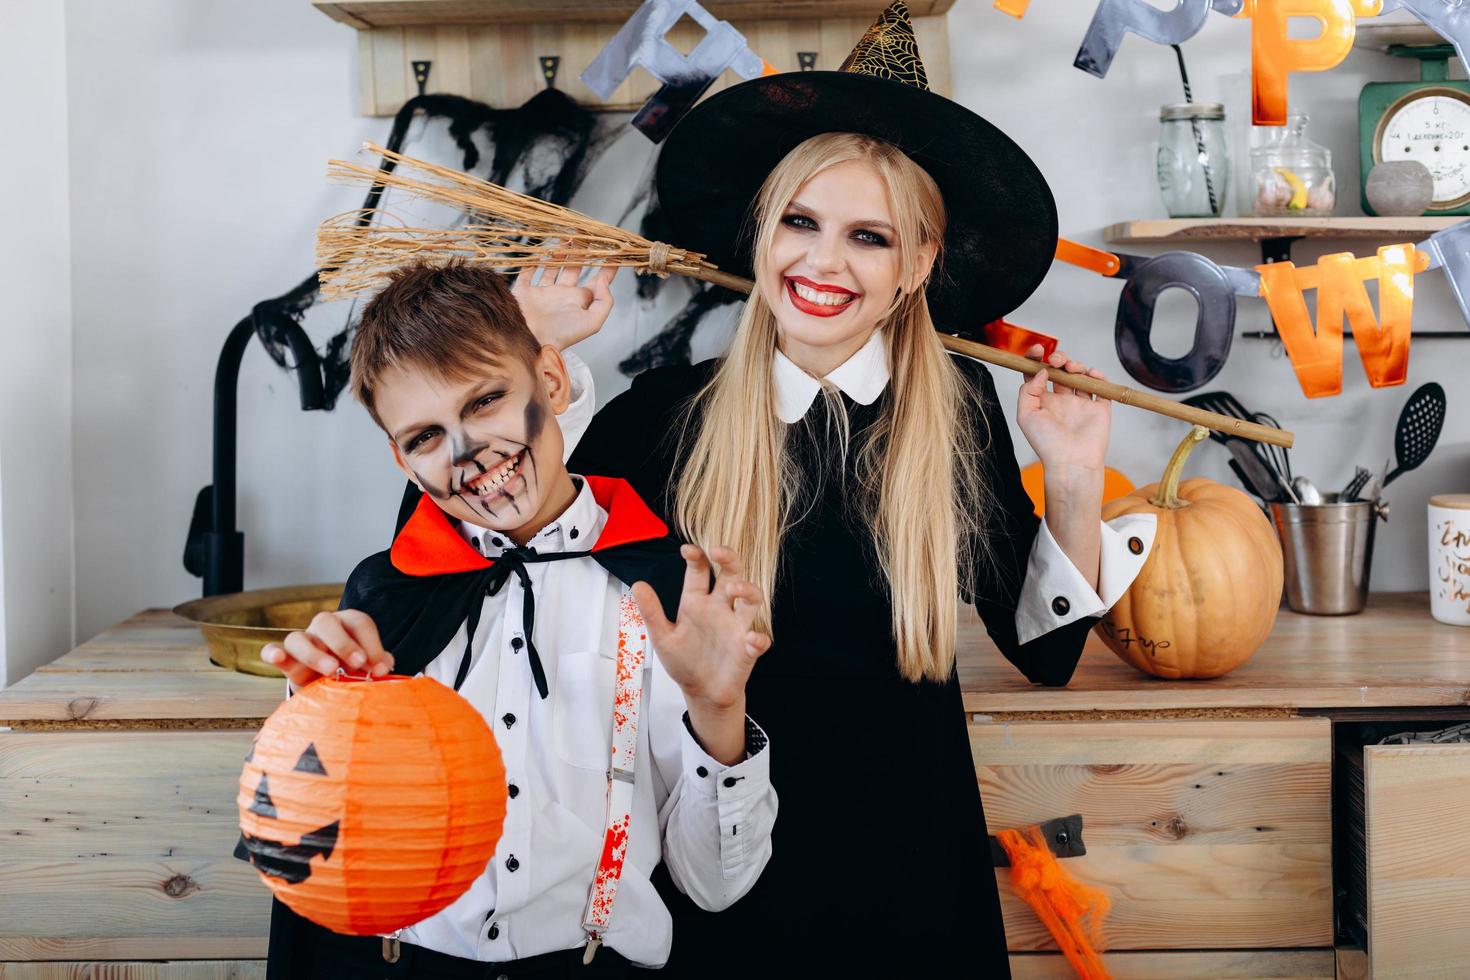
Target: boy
[510,582]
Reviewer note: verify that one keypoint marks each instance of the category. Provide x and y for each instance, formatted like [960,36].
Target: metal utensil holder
[1328,552]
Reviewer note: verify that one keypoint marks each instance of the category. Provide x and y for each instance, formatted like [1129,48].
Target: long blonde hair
[917,467]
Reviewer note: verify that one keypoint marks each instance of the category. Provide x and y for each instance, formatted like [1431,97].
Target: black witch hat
[1002,220]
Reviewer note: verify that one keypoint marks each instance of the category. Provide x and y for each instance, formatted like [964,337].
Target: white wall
[35,369]
[198,138]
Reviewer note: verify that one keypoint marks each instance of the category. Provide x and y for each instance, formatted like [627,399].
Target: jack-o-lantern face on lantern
[290,863]
[344,773]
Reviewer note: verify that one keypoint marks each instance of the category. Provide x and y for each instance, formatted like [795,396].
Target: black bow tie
[513,561]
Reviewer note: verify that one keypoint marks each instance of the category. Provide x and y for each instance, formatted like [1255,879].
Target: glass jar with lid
[1292,176]
[1193,163]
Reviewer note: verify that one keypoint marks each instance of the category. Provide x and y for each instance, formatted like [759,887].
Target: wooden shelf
[369,14]
[1257,229]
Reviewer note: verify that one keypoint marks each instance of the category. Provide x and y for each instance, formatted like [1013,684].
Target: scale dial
[1431,125]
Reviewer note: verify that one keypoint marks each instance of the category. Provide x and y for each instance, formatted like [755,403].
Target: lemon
[1298,189]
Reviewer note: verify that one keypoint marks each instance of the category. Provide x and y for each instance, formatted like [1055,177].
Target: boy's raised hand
[346,638]
[560,312]
[711,649]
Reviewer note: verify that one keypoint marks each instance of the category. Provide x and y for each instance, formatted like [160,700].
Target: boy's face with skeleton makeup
[488,450]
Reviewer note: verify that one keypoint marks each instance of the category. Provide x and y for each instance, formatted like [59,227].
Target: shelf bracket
[1275,250]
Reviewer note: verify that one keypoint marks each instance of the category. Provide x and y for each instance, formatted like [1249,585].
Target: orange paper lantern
[367,806]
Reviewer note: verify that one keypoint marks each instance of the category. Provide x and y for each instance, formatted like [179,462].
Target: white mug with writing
[1449,558]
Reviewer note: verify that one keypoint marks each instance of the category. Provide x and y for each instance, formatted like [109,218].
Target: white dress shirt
[710,823]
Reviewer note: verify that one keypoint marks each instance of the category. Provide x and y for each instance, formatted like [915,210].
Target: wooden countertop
[151,671]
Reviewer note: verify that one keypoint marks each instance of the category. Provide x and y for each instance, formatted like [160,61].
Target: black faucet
[215,550]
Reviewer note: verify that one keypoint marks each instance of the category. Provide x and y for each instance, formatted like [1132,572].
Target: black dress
[881,861]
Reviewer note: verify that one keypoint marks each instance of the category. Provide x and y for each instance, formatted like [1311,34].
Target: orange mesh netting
[1071,911]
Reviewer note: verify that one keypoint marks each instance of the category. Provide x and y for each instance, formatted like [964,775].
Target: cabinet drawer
[1417,809]
[1205,834]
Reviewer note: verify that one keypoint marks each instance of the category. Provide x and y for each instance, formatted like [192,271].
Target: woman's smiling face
[833,268]
[487,449]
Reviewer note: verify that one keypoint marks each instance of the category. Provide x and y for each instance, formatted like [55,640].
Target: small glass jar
[1193,163]
[1292,176]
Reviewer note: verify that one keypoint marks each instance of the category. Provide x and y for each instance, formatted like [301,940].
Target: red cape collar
[429,544]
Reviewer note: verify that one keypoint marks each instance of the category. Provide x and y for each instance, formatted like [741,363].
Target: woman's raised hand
[560,312]
[1067,428]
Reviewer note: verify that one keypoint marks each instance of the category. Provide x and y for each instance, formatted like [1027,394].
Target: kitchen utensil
[1224,403]
[1258,477]
[1418,430]
[1306,491]
[1280,456]
[1355,486]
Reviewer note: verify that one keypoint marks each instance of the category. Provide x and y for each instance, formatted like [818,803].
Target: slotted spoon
[1419,426]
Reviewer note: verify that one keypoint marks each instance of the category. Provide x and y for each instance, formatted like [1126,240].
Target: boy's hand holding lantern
[346,639]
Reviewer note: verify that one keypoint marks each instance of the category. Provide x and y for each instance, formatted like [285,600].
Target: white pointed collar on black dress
[862,377]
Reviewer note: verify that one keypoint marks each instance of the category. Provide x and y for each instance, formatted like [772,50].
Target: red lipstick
[817,309]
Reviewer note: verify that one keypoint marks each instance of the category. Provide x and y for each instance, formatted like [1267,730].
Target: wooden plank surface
[153,667]
[1289,964]
[1388,230]
[1392,654]
[401,13]
[1204,834]
[1418,815]
[120,844]
[115,970]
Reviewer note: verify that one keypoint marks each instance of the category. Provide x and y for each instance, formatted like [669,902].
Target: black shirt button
[516,642]
[1135,545]
[1060,605]
[497,542]
[513,791]
[508,718]
[730,781]
[494,932]
[511,864]
[702,772]
[574,533]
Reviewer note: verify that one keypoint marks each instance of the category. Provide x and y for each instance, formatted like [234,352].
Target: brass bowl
[238,625]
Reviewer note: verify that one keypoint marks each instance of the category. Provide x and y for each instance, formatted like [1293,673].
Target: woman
[866,479]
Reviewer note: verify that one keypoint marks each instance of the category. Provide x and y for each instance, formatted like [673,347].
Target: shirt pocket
[581,715]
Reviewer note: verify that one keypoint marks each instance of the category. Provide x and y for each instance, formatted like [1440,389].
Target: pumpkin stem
[1167,496]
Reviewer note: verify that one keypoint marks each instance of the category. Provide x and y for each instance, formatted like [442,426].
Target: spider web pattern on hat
[889,50]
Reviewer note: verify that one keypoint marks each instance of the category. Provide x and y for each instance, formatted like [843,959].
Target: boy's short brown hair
[451,319]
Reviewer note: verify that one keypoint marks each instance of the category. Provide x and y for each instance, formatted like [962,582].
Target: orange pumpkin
[367,806]
[1208,594]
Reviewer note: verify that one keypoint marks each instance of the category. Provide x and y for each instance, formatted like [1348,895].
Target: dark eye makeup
[865,236]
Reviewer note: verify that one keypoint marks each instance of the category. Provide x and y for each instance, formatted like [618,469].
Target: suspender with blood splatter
[627,700]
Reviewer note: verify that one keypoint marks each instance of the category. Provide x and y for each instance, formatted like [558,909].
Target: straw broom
[511,232]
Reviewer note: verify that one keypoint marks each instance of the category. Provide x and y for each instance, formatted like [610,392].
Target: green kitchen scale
[1427,120]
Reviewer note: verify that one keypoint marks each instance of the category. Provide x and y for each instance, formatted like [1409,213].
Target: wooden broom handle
[1081,382]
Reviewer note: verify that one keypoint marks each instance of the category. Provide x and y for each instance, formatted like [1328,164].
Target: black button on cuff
[513,791]
[516,642]
[1135,545]
[494,932]
[1060,605]
[701,772]
[511,864]
[508,718]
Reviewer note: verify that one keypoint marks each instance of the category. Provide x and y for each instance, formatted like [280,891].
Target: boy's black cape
[432,580]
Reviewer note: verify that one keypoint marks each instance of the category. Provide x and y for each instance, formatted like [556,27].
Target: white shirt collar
[862,377]
[574,529]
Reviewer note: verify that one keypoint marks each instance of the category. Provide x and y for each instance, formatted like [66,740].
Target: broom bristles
[508,231]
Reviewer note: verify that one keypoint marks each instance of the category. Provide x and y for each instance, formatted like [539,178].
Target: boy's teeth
[491,481]
[821,297]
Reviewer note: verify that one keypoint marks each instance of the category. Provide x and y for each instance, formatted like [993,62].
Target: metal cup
[1328,551]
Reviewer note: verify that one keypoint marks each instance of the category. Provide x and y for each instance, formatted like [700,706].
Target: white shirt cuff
[712,780]
[1055,593]
[578,416]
